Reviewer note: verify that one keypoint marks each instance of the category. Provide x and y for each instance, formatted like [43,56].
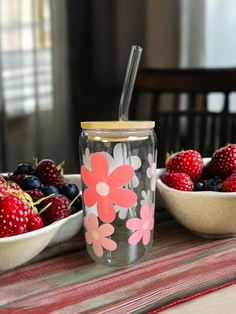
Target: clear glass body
[118,170]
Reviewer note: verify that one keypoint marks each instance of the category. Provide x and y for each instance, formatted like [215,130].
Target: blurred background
[64,61]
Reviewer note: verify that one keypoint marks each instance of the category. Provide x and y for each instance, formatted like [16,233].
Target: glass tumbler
[118,170]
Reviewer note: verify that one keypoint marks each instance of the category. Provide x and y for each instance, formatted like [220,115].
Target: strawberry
[232,176]
[229,185]
[35,222]
[14,214]
[49,172]
[188,161]
[3,186]
[223,162]
[14,186]
[8,186]
[178,180]
[58,208]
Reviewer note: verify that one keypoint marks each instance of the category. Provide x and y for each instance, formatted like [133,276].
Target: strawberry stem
[72,202]
[42,199]
[43,209]
[35,161]
[60,167]
[22,195]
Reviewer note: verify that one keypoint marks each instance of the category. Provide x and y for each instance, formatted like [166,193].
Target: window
[26,56]
[208,40]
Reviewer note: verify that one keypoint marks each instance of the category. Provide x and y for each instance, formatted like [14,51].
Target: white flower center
[102,188]
[95,235]
[146,225]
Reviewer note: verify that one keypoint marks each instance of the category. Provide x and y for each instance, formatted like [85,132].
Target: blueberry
[30,183]
[70,190]
[77,205]
[49,189]
[199,186]
[214,184]
[23,168]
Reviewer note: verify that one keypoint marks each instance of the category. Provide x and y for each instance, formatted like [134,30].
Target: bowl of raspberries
[39,207]
[200,193]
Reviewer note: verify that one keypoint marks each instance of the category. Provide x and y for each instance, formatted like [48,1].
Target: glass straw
[128,86]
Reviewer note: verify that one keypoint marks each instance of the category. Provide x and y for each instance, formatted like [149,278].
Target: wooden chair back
[184,119]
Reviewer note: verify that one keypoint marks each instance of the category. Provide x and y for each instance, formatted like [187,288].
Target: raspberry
[178,181]
[14,214]
[35,222]
[189,162]
[49,172]
[58,209]
[35,194]
[18,178]
[223,162]
[229,185]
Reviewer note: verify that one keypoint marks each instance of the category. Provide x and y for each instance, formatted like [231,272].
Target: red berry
[3,186]
[14,214]
[35,194]
[223,162]
[49,172]
[188,161]
[232,176]
[35,222]
[58,209]
[229,185]
[8,186]
[178,181]
[14,186]
[18,178]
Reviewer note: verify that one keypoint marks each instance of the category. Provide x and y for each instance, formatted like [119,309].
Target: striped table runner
[65,280]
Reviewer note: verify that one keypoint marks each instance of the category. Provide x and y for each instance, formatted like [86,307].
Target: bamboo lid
[118,125]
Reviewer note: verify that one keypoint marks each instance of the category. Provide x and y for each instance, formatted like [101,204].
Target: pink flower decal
[98,235]
[143,225]
[106,189]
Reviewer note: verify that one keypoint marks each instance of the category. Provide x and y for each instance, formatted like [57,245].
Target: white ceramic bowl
[208,214]
[17,250]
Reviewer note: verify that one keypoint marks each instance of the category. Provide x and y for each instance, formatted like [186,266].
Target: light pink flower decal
[98,235]
[151,171]
[106,189]
[143,225]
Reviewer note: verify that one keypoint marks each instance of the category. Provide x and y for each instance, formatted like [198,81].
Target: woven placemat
[64,279]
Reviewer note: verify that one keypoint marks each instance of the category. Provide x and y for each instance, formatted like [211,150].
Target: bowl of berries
[39,207]
[200,193]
